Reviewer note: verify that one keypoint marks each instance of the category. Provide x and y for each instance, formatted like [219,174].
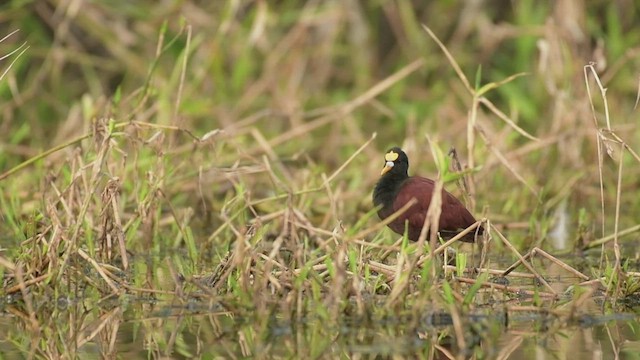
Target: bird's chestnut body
[395,189]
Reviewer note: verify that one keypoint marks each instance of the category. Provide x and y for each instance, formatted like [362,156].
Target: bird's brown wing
[419,188]
[454,216]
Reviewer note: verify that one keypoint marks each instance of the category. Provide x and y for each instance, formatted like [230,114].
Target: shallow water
[188,331]
[499,325]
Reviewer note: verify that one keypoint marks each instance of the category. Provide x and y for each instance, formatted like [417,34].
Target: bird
[396,188]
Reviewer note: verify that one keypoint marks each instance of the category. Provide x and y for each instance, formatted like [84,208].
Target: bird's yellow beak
[387,166]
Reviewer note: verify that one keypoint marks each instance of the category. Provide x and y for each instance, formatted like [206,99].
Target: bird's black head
[396,163]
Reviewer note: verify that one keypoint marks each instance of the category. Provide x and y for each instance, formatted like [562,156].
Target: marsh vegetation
[194,179]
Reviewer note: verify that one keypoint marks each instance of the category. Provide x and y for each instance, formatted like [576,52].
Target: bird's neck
[387,188]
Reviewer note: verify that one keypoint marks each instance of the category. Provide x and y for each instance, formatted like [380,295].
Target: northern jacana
[395,189]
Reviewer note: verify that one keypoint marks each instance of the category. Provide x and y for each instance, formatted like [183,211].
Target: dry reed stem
[531,308]
[475,270]
[22,48]
[443,351]
[7,264]
[448,243]
[599,144]
[271,259]
[350,106]
[112,190]
[617,267]
[394,247]
[613,342]
[177,282]
[602,142]
[432,220]
[545,254]
[504,161]
[183,72]
[379,267]
[597,281]
[318,267]
[451,59]
[579,303]
[508,288]
[472,125]
[522,260]
[42,155]
[387,248]
[33,322]
[458,328]
[626,146]
[462,181]
[104,320]
[79,139]
[559,262]
[348,161]
[505,118]
[384,222]
[507,350]
[603,94]
[100,271]
[484,242]
[302,192]
[399,282]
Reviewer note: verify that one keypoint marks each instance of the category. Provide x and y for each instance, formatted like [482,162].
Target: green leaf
[117,96]
[474,288]
[478,77]
[448,293]
[461,263]
[191,244]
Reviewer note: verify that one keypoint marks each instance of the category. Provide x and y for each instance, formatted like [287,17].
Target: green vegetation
[194,180]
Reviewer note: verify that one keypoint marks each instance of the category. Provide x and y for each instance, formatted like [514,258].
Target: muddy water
[186,332]
[499,325]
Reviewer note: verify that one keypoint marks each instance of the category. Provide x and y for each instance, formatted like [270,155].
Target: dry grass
[210,177]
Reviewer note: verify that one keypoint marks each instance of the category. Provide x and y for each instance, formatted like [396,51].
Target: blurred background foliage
[250,55]
[277,65]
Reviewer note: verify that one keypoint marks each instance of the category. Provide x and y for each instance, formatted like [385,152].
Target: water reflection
[147,328]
